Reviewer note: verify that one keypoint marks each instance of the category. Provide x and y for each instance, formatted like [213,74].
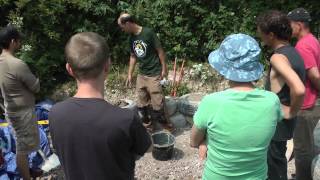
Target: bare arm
[314,76]
[132,65]
[197,136]
[282,66]
[162,57]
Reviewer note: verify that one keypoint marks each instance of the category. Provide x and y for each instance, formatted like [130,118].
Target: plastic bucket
[163,143]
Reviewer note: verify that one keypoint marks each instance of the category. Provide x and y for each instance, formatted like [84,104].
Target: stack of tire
[180,110]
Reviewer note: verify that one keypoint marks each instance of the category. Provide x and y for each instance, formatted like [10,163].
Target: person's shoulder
[122,113]
[289,48]
[117,114]
[268,95]
[311,39]
[307,41]
[114,113]
[215,96]
[301,44]
[62,105]
[277,57]
[315,40]
[17,65]
[148,30]
[16,61]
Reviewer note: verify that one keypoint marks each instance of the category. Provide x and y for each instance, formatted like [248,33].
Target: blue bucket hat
[237,58]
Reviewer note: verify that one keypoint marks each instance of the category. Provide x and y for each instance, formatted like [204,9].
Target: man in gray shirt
[18,85]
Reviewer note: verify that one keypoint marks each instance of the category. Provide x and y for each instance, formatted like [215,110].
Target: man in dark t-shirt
[286,79]
[94,139]
[146,48]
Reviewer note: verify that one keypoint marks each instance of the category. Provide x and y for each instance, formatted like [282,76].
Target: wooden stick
[179,80]
[174,75]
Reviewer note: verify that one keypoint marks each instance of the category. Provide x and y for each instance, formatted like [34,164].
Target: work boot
[144,117]
[160,117]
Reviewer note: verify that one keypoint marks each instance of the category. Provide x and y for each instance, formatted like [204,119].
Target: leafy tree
[188,29]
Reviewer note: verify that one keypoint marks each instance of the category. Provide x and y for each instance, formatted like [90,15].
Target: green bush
[188,29]
[181,89]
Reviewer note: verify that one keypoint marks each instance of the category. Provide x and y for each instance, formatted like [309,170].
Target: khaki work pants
[149,91]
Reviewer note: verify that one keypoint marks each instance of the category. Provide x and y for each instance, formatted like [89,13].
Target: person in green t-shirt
[145,48]
[233,128]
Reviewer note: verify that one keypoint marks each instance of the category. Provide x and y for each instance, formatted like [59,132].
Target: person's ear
[69,69]
[300,26]
[12,43]
[271,35]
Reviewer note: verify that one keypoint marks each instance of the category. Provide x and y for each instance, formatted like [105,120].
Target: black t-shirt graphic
[144,47]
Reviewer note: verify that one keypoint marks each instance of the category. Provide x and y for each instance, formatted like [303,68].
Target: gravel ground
[184,165]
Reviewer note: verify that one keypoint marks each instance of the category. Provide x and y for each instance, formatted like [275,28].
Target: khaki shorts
[149,91]
[26,131]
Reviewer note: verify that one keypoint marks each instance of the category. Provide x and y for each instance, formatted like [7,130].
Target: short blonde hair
[87,53]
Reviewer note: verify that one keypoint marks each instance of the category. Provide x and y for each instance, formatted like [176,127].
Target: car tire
[188,104]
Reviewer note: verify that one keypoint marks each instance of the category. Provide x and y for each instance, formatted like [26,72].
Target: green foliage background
[188,29]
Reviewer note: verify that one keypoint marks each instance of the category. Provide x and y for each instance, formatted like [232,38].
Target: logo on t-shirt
[140,48]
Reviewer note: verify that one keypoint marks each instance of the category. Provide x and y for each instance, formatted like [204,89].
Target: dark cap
[299,14]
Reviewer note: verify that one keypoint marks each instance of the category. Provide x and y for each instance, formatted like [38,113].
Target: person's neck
[7,52]
[241,86]
[278,44]
[137,29]
[303,33]
[90,89]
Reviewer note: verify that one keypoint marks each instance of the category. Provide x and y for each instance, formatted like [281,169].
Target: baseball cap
[299,14]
